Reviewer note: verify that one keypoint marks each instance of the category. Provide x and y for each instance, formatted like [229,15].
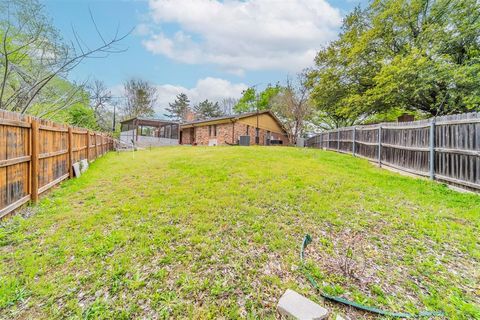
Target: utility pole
[257,131]
[114,113]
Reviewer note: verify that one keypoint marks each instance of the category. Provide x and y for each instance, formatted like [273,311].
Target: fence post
[353,140]
[88,146]
[70,152]
[380,145]
[96,149]
[432,149]
[338,140]
[34,161]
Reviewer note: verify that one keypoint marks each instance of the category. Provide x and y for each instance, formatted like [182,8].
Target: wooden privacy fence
[37,154]
[443,148]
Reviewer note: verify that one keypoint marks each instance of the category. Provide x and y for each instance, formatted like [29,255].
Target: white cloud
[142,29]
[213,89]
[244,35]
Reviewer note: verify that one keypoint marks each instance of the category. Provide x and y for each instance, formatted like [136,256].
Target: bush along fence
[37,154]
[443,148]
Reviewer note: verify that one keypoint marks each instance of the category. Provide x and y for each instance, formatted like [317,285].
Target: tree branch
[71,63]
[5,73]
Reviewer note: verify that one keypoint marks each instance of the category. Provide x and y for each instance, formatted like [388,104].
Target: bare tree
[33,56]
[293,107]
[140,98]
[100,100]
[227,105]
[56,98]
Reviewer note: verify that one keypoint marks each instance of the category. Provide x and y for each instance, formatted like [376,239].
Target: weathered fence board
[37,154]
[443,148]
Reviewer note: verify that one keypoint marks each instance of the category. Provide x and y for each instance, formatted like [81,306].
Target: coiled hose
[307,240]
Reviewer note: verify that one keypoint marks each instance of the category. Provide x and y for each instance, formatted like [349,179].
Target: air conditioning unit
[300,142]
[244,141]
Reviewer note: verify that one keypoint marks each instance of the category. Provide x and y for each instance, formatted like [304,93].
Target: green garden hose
[307,240]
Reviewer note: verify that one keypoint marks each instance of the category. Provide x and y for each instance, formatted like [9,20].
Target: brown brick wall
[241,130]
[225,132]
[186,136]
[201,135]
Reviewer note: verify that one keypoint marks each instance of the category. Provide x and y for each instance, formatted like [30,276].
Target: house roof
[150,120]
[233,117]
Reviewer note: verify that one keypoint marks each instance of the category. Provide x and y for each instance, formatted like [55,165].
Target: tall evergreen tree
[179,108]
[207,109]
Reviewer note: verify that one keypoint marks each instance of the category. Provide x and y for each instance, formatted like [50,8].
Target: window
[127,127]
[212,130]
[147,131]
[174,131]
[248,130]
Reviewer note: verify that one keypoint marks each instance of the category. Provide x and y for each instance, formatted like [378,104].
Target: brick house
[262,128]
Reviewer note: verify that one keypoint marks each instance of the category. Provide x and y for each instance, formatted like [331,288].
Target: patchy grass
[215,232]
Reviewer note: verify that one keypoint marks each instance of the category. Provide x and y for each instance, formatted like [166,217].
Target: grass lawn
[193,232]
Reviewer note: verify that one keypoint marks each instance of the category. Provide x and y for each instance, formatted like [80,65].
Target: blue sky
[208,49]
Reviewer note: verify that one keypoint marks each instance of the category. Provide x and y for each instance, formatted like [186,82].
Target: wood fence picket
[443,148]
[37,154]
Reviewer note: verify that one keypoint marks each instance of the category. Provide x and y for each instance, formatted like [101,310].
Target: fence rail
[37,154]
[443,148]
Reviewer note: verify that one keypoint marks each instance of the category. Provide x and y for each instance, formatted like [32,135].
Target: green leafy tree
[35,60]
[392,115]
[412,55]
[252,100]
[179,108]
[247,102]
[265,97]
[207,109]
[83,116]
